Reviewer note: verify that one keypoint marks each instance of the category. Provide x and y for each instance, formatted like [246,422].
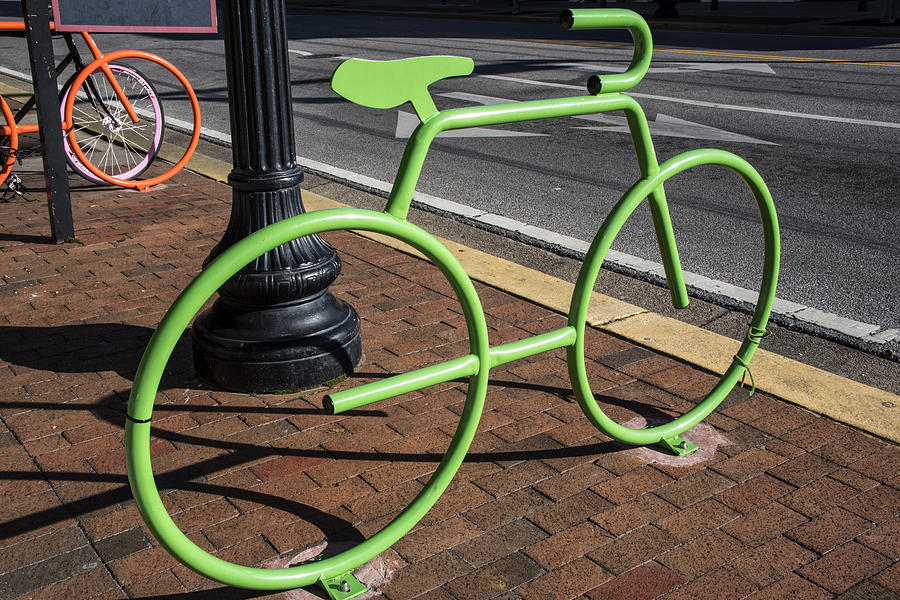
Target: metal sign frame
[125,16]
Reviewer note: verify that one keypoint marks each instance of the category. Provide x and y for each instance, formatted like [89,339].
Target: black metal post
[666,9]
[275,326]
[43,76]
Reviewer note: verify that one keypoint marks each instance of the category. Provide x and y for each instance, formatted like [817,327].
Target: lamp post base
[276,349]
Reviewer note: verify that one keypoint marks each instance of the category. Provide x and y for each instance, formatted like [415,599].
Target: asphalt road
[817,116]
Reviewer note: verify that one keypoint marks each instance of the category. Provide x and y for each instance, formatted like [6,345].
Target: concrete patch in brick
[122,544]
[703,435]
[373,574]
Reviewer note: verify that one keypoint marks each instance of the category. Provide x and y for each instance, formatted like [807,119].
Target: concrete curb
[858,405]
[845,400]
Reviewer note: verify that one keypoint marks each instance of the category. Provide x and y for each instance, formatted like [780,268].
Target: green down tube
[573,336]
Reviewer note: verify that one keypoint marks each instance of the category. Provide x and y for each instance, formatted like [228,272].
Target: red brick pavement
[786,505]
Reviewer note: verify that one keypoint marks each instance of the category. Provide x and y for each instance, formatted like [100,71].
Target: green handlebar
[615,18]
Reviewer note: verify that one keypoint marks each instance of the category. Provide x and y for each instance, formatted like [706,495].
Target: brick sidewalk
[778,500]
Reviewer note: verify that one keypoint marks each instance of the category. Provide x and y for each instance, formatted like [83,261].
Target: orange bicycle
[112,117]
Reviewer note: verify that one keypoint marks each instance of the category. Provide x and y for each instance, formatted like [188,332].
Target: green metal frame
[358,80]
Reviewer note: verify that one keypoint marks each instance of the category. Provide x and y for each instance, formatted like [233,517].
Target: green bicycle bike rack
[385,84]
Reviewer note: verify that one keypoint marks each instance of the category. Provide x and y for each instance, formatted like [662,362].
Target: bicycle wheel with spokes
[103,130]
[103,64]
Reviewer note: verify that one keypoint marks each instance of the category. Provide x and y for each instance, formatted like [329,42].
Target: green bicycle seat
[390,83]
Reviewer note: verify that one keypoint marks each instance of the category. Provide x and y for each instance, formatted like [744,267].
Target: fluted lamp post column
[275,326]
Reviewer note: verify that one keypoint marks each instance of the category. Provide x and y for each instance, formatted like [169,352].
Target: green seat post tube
[637,125]
[659,208]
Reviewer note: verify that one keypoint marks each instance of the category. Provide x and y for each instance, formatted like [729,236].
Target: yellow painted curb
[836,397]
[207,166]
[11,91]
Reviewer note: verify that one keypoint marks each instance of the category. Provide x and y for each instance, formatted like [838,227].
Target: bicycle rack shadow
[238,453]
[86,348]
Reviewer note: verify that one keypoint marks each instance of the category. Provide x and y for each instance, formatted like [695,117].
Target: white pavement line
[188,127]
[565,86]
[305,53]
[15,74]
[660,125]
[668,126]
[863,331]
[842,324]
[672,67]
[407,123]
[703,103]
[772,111]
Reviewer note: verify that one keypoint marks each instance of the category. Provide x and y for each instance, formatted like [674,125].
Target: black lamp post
[275,326]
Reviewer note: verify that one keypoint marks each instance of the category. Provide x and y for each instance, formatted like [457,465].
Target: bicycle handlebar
[615,18]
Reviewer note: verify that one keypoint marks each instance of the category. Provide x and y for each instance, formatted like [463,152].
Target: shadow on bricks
[89,348]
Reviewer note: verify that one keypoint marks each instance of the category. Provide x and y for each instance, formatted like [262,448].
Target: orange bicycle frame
[97,54]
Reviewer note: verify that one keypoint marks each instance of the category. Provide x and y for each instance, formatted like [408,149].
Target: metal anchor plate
[342,587]
[678,445]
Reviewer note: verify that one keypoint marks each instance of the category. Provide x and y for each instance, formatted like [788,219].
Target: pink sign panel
[160,16]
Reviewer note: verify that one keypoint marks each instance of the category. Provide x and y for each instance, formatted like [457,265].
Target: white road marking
[305,53]
[675,67]
[16,74]
[667,126]
[565,86]
[663,124]
[407,123]
[768,111]
[800,312]
[476,98]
